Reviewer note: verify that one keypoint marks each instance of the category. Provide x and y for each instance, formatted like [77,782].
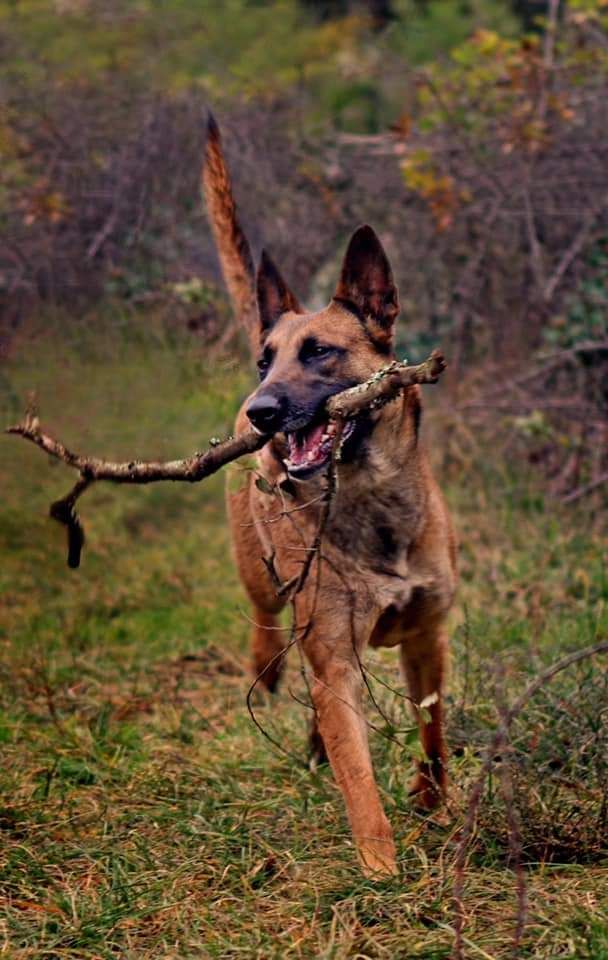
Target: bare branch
[587,488]
[373,393]
[533,241]
[550,33]
[384,386]
[572,252]
[63,511]
[92,469]
[191,470]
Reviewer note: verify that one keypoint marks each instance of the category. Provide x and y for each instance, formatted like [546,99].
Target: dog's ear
[367,285]
[274,296]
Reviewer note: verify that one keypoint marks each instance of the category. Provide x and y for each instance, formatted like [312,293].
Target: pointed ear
[367,285]
[274,296]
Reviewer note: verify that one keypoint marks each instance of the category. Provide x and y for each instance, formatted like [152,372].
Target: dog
[385,572]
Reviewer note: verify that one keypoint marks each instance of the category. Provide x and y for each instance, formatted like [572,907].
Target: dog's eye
[264,363]
[313,350]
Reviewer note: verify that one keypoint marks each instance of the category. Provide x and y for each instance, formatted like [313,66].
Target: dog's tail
[232,245]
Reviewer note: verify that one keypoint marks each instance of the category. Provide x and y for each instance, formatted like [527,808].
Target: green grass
[142,815]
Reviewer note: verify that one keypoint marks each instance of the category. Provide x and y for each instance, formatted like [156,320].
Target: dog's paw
[378,859]
[427,792]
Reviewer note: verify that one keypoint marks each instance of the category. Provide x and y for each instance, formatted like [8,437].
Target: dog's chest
[373,532]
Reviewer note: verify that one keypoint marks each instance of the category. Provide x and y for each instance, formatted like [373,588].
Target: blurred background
[141,812]
[471,134]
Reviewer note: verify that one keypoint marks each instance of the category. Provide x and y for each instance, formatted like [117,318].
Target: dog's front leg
[336,694]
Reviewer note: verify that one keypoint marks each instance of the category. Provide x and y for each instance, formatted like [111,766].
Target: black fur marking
[368,529]
[387,539]
[417,414]
[313,351]
[355,446]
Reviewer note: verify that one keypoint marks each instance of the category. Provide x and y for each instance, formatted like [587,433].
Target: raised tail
[232,245]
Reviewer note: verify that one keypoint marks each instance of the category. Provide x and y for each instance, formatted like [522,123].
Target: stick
[384,386]
[587,488]
[373,393]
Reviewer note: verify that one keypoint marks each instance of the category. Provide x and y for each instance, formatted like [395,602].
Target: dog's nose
[266,412]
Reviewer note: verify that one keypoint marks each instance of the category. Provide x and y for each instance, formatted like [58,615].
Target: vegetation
[143,815]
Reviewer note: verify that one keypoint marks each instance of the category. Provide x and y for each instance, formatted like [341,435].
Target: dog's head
[305,358]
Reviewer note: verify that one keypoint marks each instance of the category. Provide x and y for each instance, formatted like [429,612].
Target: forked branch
[379,389]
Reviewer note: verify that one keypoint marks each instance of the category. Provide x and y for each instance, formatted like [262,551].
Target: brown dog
[385,573]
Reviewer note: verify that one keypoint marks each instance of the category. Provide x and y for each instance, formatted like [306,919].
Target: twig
[550,32]
[102,235]
[548,56]
[588,488]
[574,249]
[533,242]
[373,393]
[384,386]
[92,469]
[191,469]
[63,511]
[278,657]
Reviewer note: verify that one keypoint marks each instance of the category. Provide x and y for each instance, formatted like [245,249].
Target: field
[143,815]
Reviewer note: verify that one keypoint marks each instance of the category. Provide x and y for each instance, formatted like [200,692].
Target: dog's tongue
[303,444]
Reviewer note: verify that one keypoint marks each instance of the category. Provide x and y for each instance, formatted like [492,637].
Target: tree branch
[373,393]
[384,386]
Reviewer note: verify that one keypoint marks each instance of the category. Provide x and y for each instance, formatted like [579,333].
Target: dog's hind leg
[424,661]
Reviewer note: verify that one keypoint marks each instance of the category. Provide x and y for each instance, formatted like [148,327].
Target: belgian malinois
[386,571]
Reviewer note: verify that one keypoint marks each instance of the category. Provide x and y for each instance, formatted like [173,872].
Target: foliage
[498,96]
[223,48]
[419,36]
[507,154]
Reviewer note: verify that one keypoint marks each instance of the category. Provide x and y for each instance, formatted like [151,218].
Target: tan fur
[386,573]
[231,242]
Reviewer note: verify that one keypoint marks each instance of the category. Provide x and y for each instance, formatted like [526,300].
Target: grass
[142,815]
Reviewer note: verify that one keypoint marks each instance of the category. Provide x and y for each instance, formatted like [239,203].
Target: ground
[144,815]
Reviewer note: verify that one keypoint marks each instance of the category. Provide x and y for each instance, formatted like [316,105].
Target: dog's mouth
[309,449]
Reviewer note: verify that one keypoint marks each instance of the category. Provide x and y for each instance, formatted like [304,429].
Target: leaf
[263,485]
